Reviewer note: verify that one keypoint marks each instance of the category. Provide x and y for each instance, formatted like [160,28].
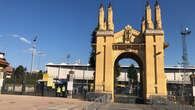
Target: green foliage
[117,70]
[20,74]
[132,73]
[93,35]
[92,59]
[32,78]
[17,76]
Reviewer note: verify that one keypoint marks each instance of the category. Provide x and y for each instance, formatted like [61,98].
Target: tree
[117,70]
[132,75]
[19,74]
[31,78]
[92,59]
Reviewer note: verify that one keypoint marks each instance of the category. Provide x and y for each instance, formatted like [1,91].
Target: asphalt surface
[19,102]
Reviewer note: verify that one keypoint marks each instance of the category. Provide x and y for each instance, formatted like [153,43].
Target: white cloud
[25,40]
[15,35]
[21,38]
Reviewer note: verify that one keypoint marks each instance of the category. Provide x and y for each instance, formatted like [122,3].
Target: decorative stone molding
[127,46]
[105,33]
[154,32]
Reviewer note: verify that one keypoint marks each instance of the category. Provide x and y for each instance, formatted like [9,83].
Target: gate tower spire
[143,25]
[157,20]
[101,23]
[148,14]
[110,18]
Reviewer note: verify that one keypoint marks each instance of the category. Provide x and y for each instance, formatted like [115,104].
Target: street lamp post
[184,33]
[185,63]
[32,63]
[182,78]
[33,52]
[39,59]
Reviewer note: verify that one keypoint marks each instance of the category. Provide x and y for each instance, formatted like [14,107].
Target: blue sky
[64,27]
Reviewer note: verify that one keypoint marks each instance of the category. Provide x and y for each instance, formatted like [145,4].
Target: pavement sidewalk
[19,102]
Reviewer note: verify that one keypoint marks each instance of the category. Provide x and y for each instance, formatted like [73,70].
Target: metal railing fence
[99,99]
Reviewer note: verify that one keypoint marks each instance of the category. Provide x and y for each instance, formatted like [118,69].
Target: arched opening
[130,81]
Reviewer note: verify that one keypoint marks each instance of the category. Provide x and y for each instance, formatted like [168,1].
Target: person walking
[58,94]
[63,91]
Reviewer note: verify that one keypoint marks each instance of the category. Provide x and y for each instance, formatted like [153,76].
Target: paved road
[116,106]
[19,102]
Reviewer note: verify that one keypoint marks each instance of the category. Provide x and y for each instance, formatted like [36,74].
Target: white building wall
[52,72]
[1,80]
[61,73]
[178,76]
[80,72]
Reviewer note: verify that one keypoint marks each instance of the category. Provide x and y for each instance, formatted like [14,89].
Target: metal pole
[83,80]
[178,78]
[33,51]
[87,80]
[36,75]
[184,32]
[31,69]
[39,56]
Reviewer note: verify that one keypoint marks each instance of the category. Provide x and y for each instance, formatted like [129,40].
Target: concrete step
[128,99]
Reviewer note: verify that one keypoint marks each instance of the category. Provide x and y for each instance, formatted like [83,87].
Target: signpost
[70,84]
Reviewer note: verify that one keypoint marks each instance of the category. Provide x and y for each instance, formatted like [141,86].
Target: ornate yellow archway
[138,60]
[146,47]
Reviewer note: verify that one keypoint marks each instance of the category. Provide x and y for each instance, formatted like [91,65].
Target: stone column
[192,77]
[70,83]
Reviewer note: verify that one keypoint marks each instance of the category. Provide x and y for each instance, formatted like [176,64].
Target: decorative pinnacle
[101,5]
[110,4]
[147,4]
[157,3]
